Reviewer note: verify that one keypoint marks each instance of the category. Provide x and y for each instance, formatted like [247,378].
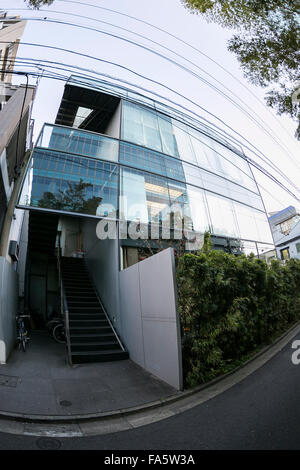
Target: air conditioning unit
[13,250]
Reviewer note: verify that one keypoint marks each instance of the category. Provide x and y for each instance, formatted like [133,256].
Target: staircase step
[80,303]
[88,323]
[95,346]
[90,329]
[100,337]
[85,310]
[79,290]
[80,298]
[76,282]
[87,316]
[98,356]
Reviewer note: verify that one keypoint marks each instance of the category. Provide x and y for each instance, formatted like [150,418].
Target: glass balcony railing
[78,142]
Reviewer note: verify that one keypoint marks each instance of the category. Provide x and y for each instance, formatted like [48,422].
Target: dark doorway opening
[42,286]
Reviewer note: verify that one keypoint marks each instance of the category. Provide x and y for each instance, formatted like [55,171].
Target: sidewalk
[38,382]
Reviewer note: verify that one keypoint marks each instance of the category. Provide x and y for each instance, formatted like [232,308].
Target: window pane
[69,183]
[222,216]
[183,140]
[144,197]
[198,209]
[79,142]
[169,144]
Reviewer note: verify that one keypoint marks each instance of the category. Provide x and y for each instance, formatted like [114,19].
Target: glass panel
[133,202]
[151,130]
[222,216]
[201,157]
[248,248]
[193,175]
[247,222]
[217,184]
[198,209]
[220,160]
[142,158]
[144,197]
[266,252]
[132,126]
[70,183]
[183,140]
[169,144]
[140,125]
[79,142]
[253,224]
[263,228]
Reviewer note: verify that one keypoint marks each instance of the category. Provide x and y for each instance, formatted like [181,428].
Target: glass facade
[71,183]
[159,163]
[78,142]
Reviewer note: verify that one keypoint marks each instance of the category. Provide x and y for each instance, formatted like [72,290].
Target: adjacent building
[285,226]
[15,142]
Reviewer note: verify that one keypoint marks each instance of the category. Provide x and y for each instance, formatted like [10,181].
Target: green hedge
[230,306]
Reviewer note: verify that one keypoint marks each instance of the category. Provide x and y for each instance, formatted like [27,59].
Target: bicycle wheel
[24,344]
[59,333]
[51,325]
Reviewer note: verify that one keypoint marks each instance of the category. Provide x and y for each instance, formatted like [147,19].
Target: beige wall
[10,114]
[9,34]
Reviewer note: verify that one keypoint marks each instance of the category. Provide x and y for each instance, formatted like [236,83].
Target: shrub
[231,305]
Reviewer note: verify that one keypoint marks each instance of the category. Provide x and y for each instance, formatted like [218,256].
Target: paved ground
[39,382]
[260,412]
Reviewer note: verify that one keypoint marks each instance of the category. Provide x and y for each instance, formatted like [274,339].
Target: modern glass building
[117,154]
[118,178]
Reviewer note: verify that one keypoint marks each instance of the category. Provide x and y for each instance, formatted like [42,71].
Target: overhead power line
[182,41]
[256,120]
[147,78]
[259,155]
[250,161]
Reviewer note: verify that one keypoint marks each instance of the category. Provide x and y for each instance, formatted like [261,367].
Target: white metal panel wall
[8,308]
[150,322]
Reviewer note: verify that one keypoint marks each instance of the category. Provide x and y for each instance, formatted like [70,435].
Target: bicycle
[56,329]
[22,332]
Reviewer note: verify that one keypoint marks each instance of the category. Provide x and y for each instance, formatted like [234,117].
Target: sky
[170,15]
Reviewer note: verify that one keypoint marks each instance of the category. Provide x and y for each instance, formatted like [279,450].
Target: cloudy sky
[217,94]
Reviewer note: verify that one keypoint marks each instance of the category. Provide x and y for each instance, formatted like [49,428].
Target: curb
[158,408]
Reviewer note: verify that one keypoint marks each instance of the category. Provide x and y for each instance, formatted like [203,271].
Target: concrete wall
[292,246]
[150,323]
[10,114]
[113,128]
[70,229]
[8,308]
[102,258]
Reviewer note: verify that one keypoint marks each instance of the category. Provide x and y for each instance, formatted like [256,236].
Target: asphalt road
[261,412]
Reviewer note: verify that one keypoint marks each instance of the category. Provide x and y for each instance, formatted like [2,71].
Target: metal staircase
[90,334]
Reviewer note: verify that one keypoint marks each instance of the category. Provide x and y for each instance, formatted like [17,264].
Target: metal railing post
[63,302]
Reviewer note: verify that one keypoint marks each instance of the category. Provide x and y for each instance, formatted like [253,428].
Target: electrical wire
[264,125]
[146,78]
[174,103]
[254,164]
[154,81]
[177,38]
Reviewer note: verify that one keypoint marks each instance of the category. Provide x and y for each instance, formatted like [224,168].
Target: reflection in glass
[248,248]
[222,216]
[198,209]
[71,183]
[149,160]
[78,142]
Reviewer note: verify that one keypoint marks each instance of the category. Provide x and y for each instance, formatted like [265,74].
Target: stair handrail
[63,301]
